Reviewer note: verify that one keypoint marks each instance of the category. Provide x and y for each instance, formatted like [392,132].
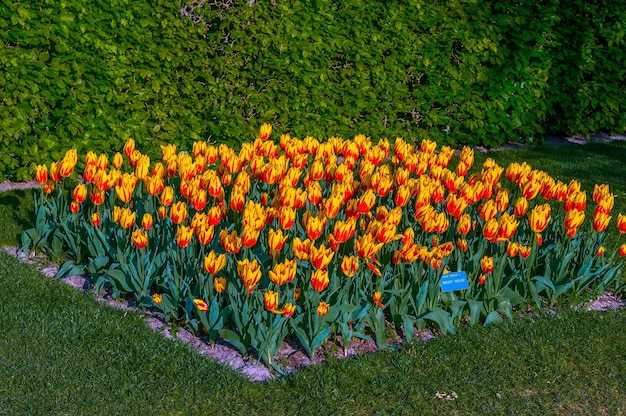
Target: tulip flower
[344,230]
[464,225]
[622,250]
[377,297]
[462,244]
[319,280]
[205,233]
[366,247]
[301,249]
[600,251]
[183,236]
[270,301]
[573,219]
[219,284]
[147,221]
[201,305]
[250,273]
[521,206]
[482,279]
[157,298]
[127,218]
[366,201]
[288,310]
[178,212]
[68,163]
[283,272]
[41,174]
[323,308]
[75,207]
[524,251]
[96,221]
[486,264]
[512,249]
[249,236]
[621,223]
[213,262]
[315,226]
[139,238]
[539,217]
[276,239]
[321,257]
[601,221]
[265,131]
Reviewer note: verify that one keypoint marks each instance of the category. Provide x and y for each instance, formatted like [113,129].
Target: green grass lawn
[62,352]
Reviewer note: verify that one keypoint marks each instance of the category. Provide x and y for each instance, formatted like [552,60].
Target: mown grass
[62,352]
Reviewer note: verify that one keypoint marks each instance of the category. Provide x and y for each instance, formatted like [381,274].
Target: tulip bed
[319,240]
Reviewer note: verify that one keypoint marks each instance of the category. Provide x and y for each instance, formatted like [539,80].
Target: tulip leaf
[475,307]
[233,339]
[493,318]
[442,318]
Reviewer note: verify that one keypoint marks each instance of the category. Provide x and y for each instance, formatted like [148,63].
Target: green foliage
[88,74]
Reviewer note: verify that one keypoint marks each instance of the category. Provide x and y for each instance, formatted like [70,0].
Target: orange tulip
[213,263]
[601,221]
[574,219]
[198,200]
[366,247]
[201,305]
[539,217]
[488,210]
[270,301]
[249,236]
[147,221]
[183,236]
[464,225]
[219,284]
[80,193]
[350,265]
[315,226]
[319,280]
[265,131]
[486,264]
[506,227]
[344,230]
[230,242]
[377,297]
[250,273]
[283,272]
[301,249]
[205,233]
[366,201]
[276,239]
[139,238]
[455,205]
[321,257]
[621,223]
[323,308]
[68,163]
[41,174]
[178,212]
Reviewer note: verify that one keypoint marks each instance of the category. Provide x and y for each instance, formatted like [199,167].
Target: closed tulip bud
[622,250]
[482,279]
[319,280]
[54,171]
[129,147]
[201,305]
[183,236]
[162,212]
[600,251]
[461,244]
[139,238]
[322,308]
[524,251]
[41,174]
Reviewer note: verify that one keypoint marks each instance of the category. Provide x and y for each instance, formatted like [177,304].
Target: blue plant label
[454,281]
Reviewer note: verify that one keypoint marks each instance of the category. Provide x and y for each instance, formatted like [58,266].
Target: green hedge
[89,74]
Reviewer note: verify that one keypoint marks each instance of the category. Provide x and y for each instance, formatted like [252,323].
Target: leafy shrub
[89,75]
